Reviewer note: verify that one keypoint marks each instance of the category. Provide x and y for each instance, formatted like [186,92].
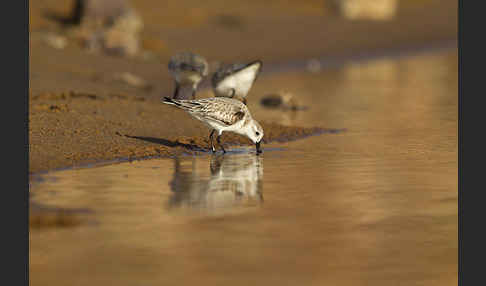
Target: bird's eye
[257,133]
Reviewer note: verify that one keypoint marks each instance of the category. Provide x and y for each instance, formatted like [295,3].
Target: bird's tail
[181,103]
[168,100]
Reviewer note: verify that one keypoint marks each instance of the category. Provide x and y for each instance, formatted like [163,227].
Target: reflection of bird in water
[185,176]
[240,174]
[234,180]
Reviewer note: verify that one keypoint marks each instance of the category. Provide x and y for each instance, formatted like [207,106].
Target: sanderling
[187,69]
[222,114]
[235,80]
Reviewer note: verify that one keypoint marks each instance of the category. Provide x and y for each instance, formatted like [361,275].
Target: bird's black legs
[217,139]
[211,140]
[219,142]
[193,93]
[176,91]
[232,93]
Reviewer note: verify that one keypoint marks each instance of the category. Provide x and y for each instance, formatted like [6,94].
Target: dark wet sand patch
[42,217]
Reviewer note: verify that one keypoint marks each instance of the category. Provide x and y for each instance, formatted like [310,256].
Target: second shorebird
[235,80]
[187,69]
[222,114]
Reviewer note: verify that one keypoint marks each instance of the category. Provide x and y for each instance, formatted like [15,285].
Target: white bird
[222,114]
[235,80]
[187,69]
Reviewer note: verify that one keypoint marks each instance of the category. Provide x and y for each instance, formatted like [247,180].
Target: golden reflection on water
[375,205]
[375,10]
[381,10]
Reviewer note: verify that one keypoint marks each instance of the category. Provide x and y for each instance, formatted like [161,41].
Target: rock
[110,26]
[124,36]
[102,10]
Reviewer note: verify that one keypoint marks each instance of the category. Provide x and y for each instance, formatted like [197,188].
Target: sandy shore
[79,112]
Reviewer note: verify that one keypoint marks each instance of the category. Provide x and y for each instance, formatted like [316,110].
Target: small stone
[284,100]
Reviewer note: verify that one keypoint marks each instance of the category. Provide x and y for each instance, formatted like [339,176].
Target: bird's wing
[224,72]
[239,77]
[220,111]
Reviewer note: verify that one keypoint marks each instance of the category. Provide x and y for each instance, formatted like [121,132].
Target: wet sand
[69,129]
[79,113]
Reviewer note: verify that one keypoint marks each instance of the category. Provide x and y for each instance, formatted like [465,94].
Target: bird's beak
[258,150]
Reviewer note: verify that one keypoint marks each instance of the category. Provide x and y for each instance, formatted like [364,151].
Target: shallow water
[374,205]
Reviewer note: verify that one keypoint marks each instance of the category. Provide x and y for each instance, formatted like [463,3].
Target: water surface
[374,205]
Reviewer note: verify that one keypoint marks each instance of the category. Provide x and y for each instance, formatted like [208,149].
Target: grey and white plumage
[222,114]
[187,69]
[235,80]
